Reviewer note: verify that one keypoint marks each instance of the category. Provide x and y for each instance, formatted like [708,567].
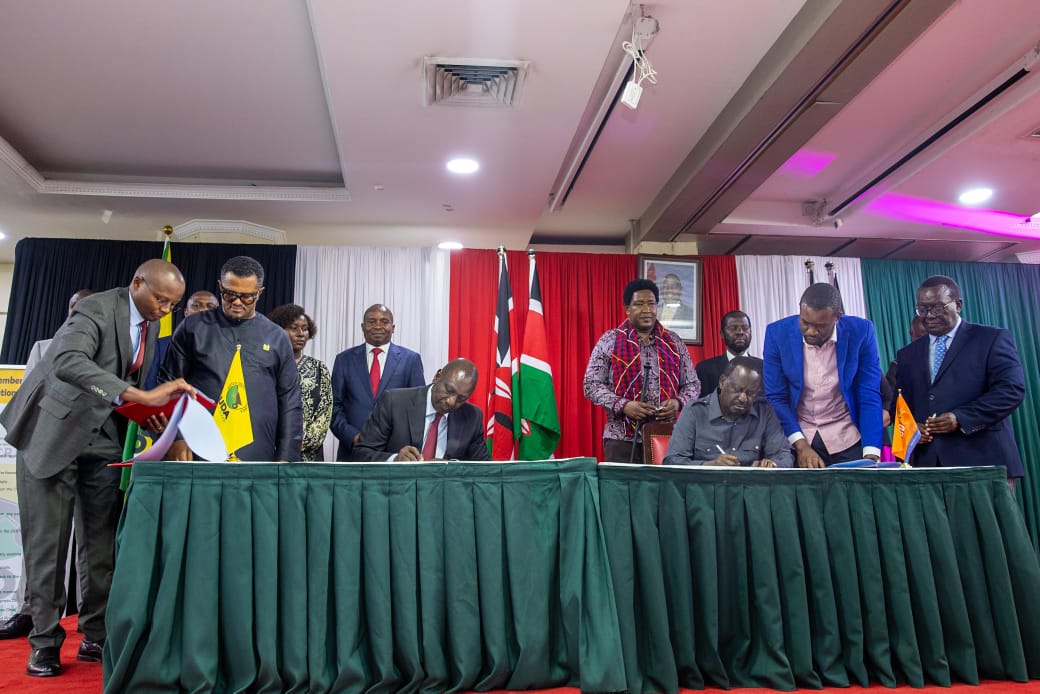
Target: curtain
[582,297]
[771,285]
[335,285]
[997,294]
[48,271]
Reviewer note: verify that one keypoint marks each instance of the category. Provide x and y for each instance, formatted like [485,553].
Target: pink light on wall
[913,209]
[806,163]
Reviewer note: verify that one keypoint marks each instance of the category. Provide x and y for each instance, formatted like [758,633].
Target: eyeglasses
[230,296]
[934,310]
[162,301]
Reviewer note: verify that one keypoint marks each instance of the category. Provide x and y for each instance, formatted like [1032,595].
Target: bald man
[61,422]
[200,301]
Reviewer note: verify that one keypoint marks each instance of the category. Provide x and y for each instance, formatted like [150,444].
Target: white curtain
[771,285]
[335,285]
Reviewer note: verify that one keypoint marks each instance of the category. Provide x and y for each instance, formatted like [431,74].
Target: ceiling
[768,131]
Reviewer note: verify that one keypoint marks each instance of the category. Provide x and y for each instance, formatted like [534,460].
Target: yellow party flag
[905,434]
[232,411]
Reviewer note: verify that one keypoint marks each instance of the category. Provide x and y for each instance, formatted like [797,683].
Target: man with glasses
[638,372]
[61,422]
[204,345]
[732,426]
[962,381]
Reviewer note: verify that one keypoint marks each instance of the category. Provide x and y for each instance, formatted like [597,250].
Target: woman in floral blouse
[315,382]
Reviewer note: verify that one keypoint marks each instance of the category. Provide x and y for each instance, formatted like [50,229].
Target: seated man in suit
[427,423]
[362,373]
[823,379]
[736,334]
[961,382]
[733,426]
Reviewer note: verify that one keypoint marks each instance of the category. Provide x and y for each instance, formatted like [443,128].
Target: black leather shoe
[44,662]
[90,651]
[16,627]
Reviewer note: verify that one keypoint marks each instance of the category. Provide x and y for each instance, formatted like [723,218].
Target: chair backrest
[656,436]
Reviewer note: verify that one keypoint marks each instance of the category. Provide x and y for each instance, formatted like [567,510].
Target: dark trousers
[615,451]
[88,490]
[853,452]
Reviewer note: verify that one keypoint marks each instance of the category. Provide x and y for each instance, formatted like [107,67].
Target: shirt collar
[369,347]
[833,338]
[135,315]
[956,327]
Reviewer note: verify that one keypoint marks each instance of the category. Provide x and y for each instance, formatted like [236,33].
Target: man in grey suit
[61,421]
[432,422]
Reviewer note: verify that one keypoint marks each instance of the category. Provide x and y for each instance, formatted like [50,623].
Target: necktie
[940,354]
[139,358]
[374,373]
[429,449]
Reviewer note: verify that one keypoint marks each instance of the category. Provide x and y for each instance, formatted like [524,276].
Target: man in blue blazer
[961,381]
[376,363]
[823,378]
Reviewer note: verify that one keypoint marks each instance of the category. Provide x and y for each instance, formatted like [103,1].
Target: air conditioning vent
[478,83]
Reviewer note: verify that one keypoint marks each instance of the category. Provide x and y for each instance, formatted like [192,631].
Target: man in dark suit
[362,373]
[736,334]
[823,379]
[427,423]
[961,382]
[61,421]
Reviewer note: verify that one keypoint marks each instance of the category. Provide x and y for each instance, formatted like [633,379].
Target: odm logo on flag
[232,411]
[905,434]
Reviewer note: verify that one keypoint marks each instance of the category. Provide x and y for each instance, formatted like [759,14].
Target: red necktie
[429,449]
[139,359]
[374,373]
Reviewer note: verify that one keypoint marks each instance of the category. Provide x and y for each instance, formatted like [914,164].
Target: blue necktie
[940,353]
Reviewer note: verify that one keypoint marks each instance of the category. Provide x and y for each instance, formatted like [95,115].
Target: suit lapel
[953,349]
[388,367]
[359,357]
[417,420]
[797,375]
[122,329]
[842,350]
[151,338]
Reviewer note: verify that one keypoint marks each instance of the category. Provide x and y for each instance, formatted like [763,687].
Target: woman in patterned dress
[315,382]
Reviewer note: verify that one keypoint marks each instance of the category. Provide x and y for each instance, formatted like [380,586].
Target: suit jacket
[352,399]
[710,370]
[859,374]
[981,382]
[399,420]
[67,399]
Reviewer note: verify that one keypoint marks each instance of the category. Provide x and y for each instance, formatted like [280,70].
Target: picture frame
[680,282]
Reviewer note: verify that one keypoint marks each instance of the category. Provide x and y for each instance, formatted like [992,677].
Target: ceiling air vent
[480,83]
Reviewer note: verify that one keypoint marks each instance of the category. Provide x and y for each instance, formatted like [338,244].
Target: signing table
[460,576]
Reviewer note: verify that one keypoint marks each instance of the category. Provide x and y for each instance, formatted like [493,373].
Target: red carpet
[85,678]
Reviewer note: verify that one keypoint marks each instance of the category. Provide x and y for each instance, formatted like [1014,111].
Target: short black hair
[749,363]
[733,314]
[285,315]
[640,285]
[244,266]
[943,281]
[822,295]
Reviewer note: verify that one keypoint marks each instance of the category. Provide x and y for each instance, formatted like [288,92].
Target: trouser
[853,452]
[615,451]
[87,490]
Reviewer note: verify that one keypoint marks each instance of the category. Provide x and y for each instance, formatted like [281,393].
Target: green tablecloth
[803,578]
[311,578]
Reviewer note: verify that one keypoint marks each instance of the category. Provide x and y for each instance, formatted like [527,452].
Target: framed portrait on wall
[680,283]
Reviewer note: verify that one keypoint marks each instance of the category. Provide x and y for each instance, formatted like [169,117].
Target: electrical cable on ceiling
[643,28]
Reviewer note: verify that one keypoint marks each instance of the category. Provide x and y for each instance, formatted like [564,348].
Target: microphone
[639,424]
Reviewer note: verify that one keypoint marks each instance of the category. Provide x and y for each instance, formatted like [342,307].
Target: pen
[721,449]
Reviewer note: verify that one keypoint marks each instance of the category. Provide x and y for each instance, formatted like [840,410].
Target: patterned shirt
[316,394]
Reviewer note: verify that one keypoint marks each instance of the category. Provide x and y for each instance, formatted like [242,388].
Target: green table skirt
[805,578]
[350,578]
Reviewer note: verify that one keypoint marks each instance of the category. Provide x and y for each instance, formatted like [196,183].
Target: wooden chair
[656,436]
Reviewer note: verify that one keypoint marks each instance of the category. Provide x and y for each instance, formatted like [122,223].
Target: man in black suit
[427,423]
[61,422]
[962,381]
[736,333]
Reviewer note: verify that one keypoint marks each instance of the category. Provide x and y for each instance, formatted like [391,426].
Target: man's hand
[886,418]
[158,396]
[638,411]
[179,451]
[872,457]
[669,410]
[357,437]
[765,462]
[925,436]
[806,456]
[409,454]
[945,423]
[156,423]
[725,460]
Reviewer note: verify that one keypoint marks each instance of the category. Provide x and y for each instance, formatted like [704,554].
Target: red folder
[140,413]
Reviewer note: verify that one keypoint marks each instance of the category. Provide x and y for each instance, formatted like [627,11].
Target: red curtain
[581,298]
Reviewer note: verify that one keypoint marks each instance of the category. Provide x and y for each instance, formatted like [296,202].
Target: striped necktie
[940,354]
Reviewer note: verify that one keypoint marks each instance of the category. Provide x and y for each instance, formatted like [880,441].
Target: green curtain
[1000,294]
[805,578]
[349,578]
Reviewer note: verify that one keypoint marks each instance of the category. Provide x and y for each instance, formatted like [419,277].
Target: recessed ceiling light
[463,165]
[2,236]
[449,245]
[975,196]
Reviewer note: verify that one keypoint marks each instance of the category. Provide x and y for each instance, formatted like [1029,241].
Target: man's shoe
[44,662]
[90,651]
[16,627]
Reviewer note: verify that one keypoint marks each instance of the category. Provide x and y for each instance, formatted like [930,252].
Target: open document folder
[195,423]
